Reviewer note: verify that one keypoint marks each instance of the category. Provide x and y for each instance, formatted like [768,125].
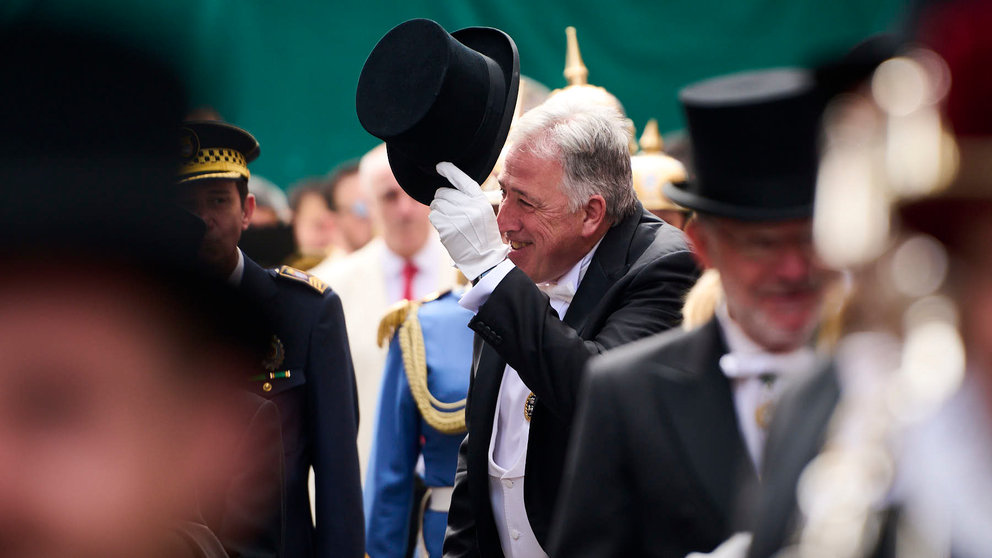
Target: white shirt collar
[737,340]
[239,271]
[573,276]
[748,359]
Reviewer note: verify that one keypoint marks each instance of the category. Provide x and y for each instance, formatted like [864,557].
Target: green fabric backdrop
[286,70]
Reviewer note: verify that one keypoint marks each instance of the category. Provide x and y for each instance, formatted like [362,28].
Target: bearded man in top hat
[667,426]
[307,372]
[936,443]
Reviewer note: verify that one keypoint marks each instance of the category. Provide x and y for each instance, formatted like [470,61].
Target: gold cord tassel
[446,418]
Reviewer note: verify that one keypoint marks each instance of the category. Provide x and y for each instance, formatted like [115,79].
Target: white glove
[734,547]
[466,223]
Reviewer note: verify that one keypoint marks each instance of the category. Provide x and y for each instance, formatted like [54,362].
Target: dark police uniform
[310,378]
[307,372]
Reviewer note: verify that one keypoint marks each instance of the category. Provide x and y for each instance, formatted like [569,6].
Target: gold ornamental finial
[651,141]
[577,77]
[651,169]
[576,72]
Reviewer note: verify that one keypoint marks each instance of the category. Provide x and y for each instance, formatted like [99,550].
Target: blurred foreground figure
[666,427]
[120,422]
[888,451]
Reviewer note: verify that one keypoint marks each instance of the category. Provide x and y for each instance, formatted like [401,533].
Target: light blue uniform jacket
[402,435]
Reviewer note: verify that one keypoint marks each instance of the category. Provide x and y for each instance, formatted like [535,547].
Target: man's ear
[247,210]
[699,242]
[594,215]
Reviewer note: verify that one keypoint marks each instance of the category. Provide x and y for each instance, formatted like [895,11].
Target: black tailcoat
[795,437]
[658,458]
[633,287]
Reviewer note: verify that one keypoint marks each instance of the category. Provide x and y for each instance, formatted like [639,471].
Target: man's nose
[506,221]
[795,262]
[407,205]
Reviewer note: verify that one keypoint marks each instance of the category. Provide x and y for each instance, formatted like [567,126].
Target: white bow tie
[558,291]
[755,365]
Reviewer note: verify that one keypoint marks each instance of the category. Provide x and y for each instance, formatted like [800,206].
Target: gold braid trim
[215,160]
[446,418]
[394,318]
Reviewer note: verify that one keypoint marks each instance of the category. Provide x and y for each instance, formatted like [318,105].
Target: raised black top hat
[213,149]
[434,96]
[754,137]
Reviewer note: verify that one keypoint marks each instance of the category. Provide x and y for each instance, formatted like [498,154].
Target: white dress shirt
[757,379]
[511,428]
[234,279]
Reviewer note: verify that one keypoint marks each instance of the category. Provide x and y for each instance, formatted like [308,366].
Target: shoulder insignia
[303,277]
[435,295]
[398,313]
[394,317]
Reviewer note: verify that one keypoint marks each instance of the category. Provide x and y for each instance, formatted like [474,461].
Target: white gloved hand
[466,223]
[735,547]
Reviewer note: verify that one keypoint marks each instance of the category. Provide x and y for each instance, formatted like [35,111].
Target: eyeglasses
[359,209]
[766,244]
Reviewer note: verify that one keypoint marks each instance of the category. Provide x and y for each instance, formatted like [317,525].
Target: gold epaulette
[303,277]
[435,295]
[394,317]
[397,313]
[447,418]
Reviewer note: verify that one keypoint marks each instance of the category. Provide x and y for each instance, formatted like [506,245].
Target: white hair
[590,142]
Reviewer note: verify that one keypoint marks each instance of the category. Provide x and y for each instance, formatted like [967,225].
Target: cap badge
[189,144]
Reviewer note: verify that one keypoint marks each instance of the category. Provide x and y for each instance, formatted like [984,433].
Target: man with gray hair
[583,269]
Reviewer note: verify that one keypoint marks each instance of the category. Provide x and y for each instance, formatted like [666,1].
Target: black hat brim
[678,194]
[419,179]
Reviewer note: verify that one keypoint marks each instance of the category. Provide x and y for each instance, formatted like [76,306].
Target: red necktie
[409,271]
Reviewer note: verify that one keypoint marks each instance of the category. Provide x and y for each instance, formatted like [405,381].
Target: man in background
[120,420]
[350,205]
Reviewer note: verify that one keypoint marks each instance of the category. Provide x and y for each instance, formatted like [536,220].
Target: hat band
[215,160]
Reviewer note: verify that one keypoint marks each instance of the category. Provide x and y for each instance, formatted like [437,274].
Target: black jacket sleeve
[549,355]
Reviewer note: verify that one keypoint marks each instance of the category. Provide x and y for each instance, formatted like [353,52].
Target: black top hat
[213,149]
[754,139]
[434,96]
